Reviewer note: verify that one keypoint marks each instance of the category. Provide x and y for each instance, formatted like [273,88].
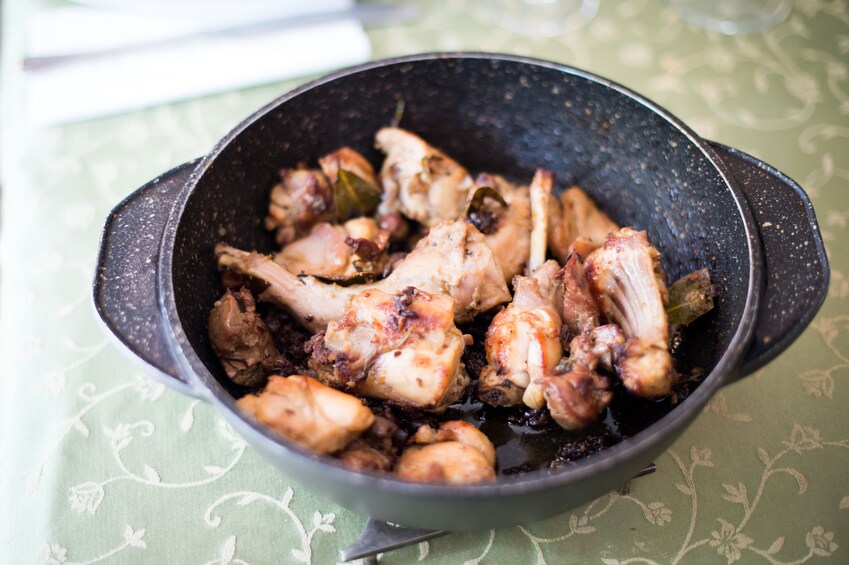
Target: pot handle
[125,294]
[796,272]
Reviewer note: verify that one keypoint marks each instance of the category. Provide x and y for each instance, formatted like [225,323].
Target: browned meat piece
[579,310]
[453,260]
[457,453]
[626,280]
[360,456]
[575,216]
[456,430]
[377,449]
[349,160]
[645,368]
[401,347]
[241,339]
[509,236]
[420,181]
[607,344]
[523,342]
[309,413]
[337,251]
[303,198]
[575,399]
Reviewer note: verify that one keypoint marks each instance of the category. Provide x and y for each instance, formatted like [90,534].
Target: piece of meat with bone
[456,453]
[241,339]
[419,180]
[626,279]
[509,235]
[319,418]
[302,199]
[575,399]
[540,195]
[523,342]
[579,310]
[574,216]
[349,160]
[401,347]
[453,260]
[337,251]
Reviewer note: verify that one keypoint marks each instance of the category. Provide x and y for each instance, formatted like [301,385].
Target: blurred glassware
[733,17]
[547,18]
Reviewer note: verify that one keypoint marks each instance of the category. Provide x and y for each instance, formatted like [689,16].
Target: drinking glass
[547,18]
[733,17]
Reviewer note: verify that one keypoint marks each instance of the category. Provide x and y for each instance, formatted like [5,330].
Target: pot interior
[501,116]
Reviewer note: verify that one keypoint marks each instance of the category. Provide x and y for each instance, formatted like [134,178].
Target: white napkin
[119,82]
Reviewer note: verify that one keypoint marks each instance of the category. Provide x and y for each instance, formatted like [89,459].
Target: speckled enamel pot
[702,204]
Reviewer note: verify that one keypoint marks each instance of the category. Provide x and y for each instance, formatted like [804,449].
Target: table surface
[101,464]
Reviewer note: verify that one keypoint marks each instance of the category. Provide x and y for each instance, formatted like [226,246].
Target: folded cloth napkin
[125,80]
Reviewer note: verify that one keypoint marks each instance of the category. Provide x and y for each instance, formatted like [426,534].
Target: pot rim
[625,452]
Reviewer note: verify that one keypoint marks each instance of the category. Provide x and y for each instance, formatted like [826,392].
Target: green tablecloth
[101,464]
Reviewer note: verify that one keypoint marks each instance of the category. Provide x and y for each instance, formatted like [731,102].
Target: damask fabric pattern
[102,465]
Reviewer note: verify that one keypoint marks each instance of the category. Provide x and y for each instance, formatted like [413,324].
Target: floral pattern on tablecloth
[103,465]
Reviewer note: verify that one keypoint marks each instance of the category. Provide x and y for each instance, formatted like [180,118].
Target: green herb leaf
[690,296]
[354,196]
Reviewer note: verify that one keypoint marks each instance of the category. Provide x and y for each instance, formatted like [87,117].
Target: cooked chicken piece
[541,187]
[575,399]
[322,252]
[579,310]
[457,430]
[607,343]
[360,456]
[509,237]
[402,347]
[377,449]
[309,413]
[626,280]
[575,216]
[419,180]
[457,453]
[303,198]
[448,462]
[241,339]
[349,160]
[453,260]
[331,250]
[523,342]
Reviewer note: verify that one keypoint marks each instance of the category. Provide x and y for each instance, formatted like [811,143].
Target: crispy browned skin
[419,180]
[575,216]
[241,339]
[303,198]
[307,412]
[452,260]
[523,342]
[626,280]
[402,347]
[575,399]
[456,453]
[579,310]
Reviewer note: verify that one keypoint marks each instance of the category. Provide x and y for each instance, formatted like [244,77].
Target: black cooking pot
[702,204]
